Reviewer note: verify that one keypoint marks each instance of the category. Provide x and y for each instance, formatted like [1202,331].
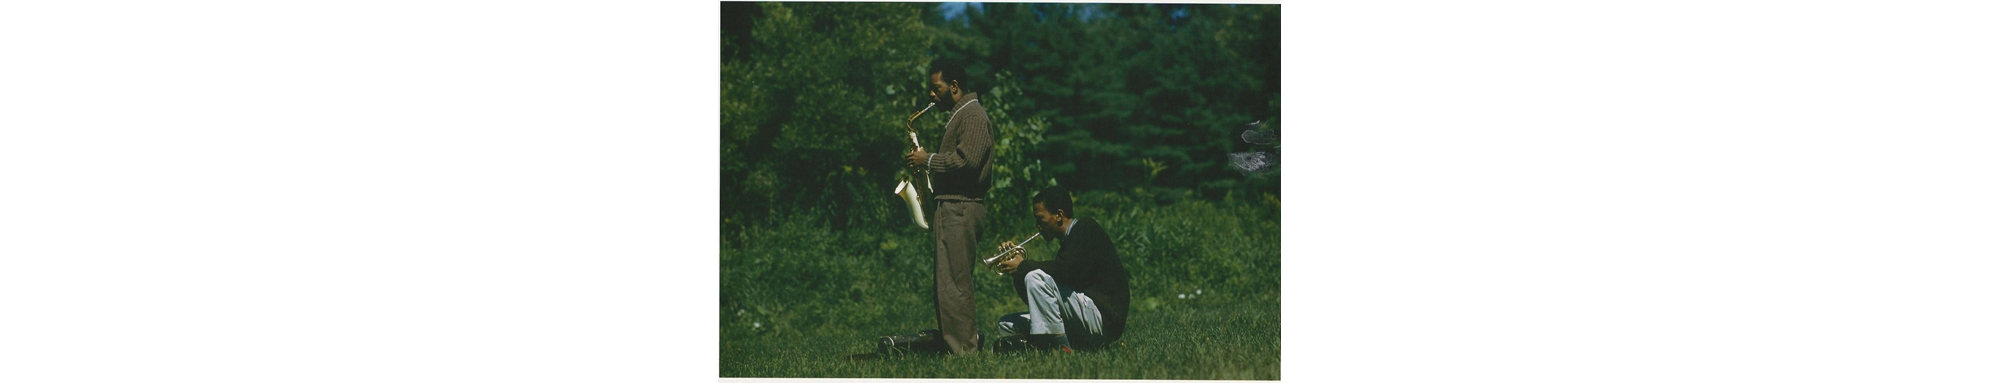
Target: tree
[1134,94]
[813,100]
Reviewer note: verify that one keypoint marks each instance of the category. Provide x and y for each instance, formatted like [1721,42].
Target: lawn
[1198,340]
[800,297]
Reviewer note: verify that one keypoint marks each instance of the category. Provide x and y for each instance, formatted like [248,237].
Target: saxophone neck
[913,118]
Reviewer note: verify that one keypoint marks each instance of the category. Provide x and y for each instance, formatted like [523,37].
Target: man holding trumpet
[1078,300]
[960,171]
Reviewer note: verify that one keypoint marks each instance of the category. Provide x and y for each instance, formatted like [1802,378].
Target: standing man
[960,173]
[1078,299]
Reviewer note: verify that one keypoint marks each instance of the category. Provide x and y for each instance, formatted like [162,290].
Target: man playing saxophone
[1080,298]
[960,172]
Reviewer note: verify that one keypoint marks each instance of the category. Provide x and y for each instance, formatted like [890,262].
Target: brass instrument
[909,194]
[993,263]
[910,125]
[905,189]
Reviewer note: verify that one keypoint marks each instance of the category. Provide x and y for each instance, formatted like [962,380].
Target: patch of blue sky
[953,11]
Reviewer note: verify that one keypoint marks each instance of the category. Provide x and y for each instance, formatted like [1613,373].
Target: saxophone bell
[916,202]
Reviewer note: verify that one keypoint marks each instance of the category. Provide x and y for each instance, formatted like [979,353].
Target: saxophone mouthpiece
[913,119]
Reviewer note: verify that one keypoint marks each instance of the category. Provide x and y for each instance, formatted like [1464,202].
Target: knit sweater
[962,166]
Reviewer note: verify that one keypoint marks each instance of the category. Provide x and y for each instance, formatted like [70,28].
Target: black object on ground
[926,342]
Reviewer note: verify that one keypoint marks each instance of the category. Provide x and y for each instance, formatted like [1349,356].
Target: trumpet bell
[909,194]
[994,262]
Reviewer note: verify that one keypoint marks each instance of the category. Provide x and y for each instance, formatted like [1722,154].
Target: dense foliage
[1096,97]
[1136,93]
[813,96]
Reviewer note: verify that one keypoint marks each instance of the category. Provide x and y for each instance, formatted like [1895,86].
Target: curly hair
[952,71]
[1055,198]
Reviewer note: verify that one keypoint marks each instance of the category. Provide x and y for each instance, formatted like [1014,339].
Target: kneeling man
[1079,299]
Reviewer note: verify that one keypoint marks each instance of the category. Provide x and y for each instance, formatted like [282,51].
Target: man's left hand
[917,157]
[1010,264]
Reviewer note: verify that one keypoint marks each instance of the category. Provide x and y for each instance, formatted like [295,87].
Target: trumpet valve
[1010,254]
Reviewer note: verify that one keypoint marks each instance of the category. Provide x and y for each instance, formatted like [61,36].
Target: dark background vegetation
[1133,107]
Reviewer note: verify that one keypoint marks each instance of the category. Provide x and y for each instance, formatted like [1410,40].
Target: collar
[969,99]
[1072,224]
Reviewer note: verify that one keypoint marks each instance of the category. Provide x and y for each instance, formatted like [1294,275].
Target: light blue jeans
[1054,308]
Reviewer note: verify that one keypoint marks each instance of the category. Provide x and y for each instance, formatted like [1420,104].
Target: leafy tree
[1095,96]
[813,101]
[1135,94]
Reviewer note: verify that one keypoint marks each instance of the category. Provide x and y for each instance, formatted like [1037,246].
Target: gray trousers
[1055,308]
[957,234]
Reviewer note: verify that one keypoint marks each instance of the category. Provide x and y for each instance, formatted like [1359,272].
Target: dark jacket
[1088,263]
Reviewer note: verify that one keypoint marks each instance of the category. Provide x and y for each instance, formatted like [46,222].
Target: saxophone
[905,189]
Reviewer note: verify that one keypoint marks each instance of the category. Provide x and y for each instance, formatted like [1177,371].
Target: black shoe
[1057,342]
[1010,344]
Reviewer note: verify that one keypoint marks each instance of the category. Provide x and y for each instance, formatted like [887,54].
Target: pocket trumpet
[993,262]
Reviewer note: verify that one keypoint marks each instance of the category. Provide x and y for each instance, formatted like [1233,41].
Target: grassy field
[1208,340]
[800,297]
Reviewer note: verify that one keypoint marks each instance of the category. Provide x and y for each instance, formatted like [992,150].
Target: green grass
[1197,341]
[799,297]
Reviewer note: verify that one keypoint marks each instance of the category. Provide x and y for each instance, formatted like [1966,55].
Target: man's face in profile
[1048,222]
[938,92]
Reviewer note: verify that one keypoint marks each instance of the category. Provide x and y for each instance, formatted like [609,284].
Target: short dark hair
[1056,198]
[952,71]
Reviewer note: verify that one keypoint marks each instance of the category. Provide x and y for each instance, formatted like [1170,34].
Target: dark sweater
[1088,263]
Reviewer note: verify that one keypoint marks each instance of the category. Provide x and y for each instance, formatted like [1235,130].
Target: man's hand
[917,157]
[1012,260]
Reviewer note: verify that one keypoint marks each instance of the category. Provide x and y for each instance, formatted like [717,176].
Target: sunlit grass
[798,299]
